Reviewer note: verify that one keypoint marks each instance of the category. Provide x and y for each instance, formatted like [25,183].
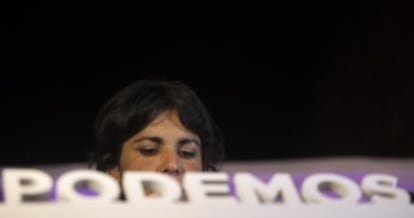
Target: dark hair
[136,106]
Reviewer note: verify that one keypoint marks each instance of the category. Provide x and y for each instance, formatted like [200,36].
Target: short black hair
[133,108]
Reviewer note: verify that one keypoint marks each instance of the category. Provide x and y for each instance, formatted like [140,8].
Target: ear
[114,172]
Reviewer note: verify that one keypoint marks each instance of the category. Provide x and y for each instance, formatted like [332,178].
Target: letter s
[382,188]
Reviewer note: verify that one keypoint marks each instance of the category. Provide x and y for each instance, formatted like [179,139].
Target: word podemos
[20,186]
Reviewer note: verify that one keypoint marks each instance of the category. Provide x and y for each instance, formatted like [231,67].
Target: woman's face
[164,146]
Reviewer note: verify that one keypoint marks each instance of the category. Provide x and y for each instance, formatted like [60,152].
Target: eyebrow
[160,140]
[188,140]
[155,139]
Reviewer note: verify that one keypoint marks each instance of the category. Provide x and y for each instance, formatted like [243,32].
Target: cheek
[131,160]
[193,165]
[144,164]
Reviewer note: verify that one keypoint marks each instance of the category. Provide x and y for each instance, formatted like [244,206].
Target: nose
[171,163]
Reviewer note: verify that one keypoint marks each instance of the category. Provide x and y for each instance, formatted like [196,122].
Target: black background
[282,79]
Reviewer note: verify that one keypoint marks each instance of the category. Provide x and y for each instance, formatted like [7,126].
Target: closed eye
[148,151]
[187,154]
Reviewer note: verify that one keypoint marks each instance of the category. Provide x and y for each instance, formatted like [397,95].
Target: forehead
[167,123]
[166,117]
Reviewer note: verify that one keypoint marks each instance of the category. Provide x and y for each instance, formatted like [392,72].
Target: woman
[159,126]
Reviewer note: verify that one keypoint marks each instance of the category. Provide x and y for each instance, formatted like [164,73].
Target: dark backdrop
[283,80]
